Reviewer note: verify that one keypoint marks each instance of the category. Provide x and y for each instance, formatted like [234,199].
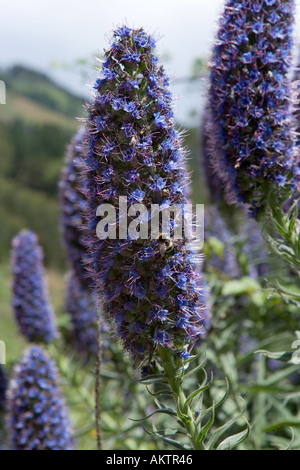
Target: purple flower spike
[73,204]
[81,306]
[251,138]
[30,299]
[146,164]
[37,416]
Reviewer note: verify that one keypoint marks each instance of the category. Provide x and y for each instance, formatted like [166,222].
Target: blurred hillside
[37,123]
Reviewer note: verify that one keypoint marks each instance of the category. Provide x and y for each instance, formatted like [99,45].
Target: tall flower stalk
[82,308]
[135,151]
[152,288]
[251,126]
[37,416]
[250,123]
[30,299]
[73,205]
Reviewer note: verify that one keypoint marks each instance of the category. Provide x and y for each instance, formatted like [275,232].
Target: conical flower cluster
[30,298]
[134,151]
[37,416]
[250,125]
[81,306]
[73,205]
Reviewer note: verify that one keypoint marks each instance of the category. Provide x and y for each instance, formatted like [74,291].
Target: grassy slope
[21,107]
[33,97]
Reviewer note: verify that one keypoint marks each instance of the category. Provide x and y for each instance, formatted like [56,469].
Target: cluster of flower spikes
[37,416]
[82,307]
[250,125]
[134,151]
[30,298]
[3,385]
[73,205]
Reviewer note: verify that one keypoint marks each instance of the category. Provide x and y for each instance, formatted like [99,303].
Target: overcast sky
[40,32]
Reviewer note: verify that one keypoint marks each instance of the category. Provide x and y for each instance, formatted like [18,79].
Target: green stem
[282,227]
[184,411]
[98,385]
[260,406]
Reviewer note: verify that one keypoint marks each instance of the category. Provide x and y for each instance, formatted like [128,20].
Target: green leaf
[174,443]
[232,441]
[204,430]
[214,406]
[221,430]
[151,379]
[168,411]
[163,435]
[292,440]
[217,246]
[196,393]
[282,356]
[245,285]
[283,424]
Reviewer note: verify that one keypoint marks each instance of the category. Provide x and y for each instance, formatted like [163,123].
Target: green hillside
[35,98]
[36,124]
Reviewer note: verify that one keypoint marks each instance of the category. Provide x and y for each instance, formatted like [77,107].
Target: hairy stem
[184,412]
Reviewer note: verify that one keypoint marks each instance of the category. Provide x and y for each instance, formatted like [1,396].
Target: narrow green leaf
[196,393]
[282,424]
[283,356]
[151,379]
[208,425]
[174,443]
[168,411]
[220,431]
[232,441]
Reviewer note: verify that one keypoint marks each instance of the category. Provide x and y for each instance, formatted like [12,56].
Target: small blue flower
[161,337]
[160,120]
[118,103]
[131,108]
[138,195]
[139,291]
[258,27]
[159,184]
[248,57]
[123,31]
[128,129]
